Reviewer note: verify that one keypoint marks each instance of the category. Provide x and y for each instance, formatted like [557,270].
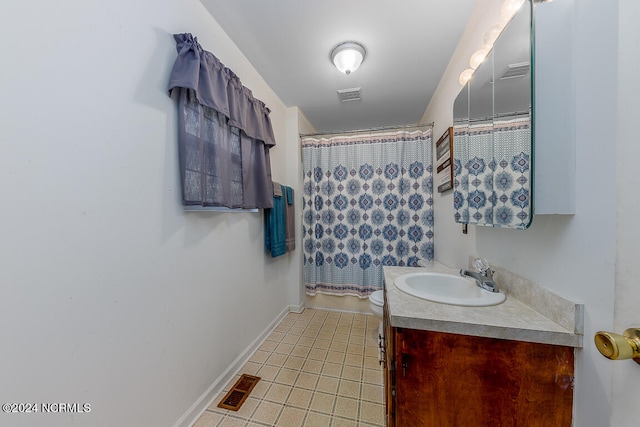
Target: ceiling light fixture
[348,56]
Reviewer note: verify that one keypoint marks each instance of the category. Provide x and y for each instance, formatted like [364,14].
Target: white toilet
[376,302]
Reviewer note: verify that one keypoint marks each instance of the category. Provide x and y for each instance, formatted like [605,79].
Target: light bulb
[492,35]
[465,76]
[478,58]
[509,8]
[347,61]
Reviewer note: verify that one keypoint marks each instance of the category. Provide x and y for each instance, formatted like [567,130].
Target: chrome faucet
[484,276]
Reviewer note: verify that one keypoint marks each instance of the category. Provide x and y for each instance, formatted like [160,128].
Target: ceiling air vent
[353,94]
[515,70]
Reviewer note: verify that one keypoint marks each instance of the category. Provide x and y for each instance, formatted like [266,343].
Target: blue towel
[275,227]
[290,218]
[289,191]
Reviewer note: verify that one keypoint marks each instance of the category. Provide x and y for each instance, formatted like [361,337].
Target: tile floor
[317,368]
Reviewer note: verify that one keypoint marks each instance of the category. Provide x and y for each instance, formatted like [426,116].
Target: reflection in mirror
[480,147]
[461,155]
[492,134]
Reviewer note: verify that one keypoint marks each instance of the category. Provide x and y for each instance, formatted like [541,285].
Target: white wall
[297,124]
[626,374]
[111,294]
[440,111]
[572,255]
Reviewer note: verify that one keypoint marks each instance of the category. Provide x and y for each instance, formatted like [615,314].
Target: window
[224,134]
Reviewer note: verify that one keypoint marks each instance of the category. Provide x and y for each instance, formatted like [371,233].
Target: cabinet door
[449,380]
[389,369]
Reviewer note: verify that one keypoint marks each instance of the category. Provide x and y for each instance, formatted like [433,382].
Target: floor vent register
[234,399]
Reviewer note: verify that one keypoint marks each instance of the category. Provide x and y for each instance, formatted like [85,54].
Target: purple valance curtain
[224,133]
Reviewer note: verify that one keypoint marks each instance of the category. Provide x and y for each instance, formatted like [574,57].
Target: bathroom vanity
[502,365]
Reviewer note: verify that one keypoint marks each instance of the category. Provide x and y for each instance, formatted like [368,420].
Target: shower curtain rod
[515,114]
[368,129]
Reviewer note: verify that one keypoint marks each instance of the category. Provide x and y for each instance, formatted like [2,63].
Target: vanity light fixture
[492,35]
[508,9]
[478,58]
[348,56]
[465,76]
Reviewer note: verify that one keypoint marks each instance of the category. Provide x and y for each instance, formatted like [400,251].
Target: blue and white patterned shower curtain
[367,203]
[492,173]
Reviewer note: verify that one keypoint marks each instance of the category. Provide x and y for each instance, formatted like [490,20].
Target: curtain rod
[515,114]
[368,129]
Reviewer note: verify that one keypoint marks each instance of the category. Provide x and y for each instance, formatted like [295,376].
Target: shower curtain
[492,173]
[367,204]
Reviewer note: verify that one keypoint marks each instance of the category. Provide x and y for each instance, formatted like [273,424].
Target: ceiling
[409,44]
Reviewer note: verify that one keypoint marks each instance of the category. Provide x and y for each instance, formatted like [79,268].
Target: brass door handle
[615,346]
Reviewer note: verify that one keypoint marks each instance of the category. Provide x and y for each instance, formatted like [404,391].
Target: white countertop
[511,320]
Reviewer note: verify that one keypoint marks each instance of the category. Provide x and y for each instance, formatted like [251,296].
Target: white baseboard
[193,413]
[297,308]
[348,304]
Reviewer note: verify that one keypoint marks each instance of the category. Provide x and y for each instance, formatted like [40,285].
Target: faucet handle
[481,265]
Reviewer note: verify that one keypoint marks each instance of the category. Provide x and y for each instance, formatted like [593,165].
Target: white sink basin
[447,289]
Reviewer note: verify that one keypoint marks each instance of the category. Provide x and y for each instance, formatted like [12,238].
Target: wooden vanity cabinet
[437,379]
[388,349]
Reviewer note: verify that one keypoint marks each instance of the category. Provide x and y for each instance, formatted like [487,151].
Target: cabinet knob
[616,346]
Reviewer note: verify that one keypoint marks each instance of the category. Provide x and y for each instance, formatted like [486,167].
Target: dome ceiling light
[348,56]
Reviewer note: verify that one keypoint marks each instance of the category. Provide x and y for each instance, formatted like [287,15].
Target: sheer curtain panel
[224,133]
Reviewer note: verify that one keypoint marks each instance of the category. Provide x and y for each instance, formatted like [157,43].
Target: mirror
[492,139]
